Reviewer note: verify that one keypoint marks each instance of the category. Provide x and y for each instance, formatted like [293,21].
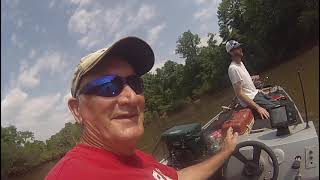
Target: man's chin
[132,134]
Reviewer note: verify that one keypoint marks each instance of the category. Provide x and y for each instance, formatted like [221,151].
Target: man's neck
[94,141]
[237,60]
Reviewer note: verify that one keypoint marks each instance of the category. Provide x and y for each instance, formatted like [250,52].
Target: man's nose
[127,95]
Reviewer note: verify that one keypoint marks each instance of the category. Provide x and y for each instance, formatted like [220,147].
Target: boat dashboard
[277,148]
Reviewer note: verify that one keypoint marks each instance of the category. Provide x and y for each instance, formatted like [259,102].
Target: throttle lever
[296,163]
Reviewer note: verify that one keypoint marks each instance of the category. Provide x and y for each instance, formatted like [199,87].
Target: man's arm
[207,168]
[238,90]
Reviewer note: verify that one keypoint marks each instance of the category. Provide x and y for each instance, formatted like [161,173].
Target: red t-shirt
[86,162]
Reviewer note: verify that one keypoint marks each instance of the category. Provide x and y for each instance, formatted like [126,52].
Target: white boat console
[280,148]
[301,147]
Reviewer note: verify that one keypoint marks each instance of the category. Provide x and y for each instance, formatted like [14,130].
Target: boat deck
[259,123]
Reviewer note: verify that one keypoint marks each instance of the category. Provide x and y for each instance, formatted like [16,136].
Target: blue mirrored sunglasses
[112,85]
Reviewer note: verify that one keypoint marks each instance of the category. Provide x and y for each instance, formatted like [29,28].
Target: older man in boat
[243,85]
[108,102]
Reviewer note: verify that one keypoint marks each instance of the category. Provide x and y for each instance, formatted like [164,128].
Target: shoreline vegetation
[271,32]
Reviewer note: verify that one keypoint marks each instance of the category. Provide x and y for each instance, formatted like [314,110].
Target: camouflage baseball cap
[136,51]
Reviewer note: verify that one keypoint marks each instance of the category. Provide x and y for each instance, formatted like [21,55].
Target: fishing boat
[283,147]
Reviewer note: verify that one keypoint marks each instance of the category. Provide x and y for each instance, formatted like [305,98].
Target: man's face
[115,120]
[236,52]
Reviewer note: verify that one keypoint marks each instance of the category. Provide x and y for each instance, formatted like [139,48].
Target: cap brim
[136,51]
[237,46]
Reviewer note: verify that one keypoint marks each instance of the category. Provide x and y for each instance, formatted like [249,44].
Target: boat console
[281,118]
[297,154]
[281,147]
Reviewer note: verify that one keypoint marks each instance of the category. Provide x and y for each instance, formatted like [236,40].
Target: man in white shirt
[243,85]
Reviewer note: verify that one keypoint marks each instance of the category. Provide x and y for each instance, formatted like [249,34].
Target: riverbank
[38,173]
[31,169]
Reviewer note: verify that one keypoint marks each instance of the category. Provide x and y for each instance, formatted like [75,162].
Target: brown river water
[208,106]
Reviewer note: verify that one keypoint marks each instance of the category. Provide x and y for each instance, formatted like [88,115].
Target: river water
[208,106]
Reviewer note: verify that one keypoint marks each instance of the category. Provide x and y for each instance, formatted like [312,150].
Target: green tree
[188,48]
[21,152]
[270,30]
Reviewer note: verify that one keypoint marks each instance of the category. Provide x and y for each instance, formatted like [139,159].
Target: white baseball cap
[231,45]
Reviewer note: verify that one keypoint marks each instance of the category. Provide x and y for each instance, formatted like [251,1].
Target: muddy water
[201,111]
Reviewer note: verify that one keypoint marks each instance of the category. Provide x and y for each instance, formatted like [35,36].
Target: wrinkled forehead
[113,66]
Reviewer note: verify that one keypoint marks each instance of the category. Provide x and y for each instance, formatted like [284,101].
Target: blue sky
[43,41]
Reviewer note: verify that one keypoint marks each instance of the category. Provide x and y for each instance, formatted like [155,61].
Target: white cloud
[145,13]
[12,3]
[82,21]
[107,24]
[13,100]
[206,14]
[37,28]
[19,23]
[29,78]
[29,75]
[202,1]
[154,33]
[36,107]
[86,42]
[43,115]
[204,40]
[32,53]
[52,3]
[80,2]
[203,14]
[208,9]
[15,41]
[66,97]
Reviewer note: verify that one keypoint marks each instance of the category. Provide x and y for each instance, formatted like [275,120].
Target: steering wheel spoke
[256,154]
[240,157]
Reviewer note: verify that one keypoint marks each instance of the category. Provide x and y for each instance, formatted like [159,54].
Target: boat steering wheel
[252,168]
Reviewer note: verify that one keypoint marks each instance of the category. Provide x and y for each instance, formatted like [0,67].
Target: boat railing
[211,120]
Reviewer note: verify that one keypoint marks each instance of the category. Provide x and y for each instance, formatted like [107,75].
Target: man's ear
[73,105]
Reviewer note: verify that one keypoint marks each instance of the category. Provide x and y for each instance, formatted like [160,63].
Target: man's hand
[263,113]
[254,78]
[262,91]
[230,141]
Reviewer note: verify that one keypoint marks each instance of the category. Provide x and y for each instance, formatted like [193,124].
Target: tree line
[20,152]
[271,31]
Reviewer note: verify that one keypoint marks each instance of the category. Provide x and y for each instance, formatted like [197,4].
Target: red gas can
[240,121]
